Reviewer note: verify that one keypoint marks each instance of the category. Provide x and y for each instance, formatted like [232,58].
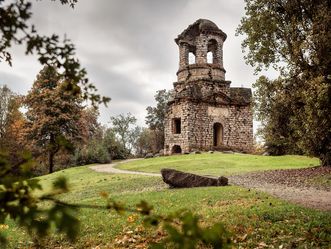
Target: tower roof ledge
[201,26]
[201,65]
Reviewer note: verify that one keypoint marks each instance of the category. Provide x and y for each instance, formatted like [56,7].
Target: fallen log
[178,179]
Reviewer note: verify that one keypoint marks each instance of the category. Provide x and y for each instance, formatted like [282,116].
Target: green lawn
[254,218]
[220,164]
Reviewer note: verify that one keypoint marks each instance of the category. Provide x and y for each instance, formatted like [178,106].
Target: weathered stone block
[178,179]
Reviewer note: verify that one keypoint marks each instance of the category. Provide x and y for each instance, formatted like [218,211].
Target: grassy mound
[220,164]
[255,219]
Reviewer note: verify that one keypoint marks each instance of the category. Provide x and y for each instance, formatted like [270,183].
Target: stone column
[201,51]
[183,55]
[219,54]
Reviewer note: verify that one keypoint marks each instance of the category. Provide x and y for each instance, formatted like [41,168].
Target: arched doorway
[176,149]
[212,52]
[218,134]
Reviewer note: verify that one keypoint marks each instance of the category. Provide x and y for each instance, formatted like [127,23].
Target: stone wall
[197,126]
[177,110]
[200,72]
[240,128]
[202,90]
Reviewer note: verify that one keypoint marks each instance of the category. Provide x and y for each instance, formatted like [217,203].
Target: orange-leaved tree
[52,114]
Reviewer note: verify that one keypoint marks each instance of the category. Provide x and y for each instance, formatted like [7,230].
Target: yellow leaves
[132,218]
[138,237]
[130,238]
[262,245]
[139,229]
[242,238]
[104,194]
[3,227]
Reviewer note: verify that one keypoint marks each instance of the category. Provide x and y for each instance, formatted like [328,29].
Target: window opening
[176,126]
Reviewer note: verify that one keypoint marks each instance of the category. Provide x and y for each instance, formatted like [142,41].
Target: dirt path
[291,185]
[279,183]
[109,168]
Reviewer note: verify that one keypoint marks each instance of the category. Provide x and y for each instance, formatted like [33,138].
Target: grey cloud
[123,106]
[14,82]
[128,46]
[117,86]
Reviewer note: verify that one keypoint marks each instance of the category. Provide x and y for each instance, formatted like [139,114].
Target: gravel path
[290,185]
[109,168]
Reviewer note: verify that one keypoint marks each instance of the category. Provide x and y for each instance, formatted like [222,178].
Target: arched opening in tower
[209,57]
[218,134]
[176,149]
[191,58]
[212,52]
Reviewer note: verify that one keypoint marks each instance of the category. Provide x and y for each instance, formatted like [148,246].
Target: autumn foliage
[52,114]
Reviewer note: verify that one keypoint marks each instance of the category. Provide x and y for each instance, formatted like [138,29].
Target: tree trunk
[51,153]
[325,159]
[51,161]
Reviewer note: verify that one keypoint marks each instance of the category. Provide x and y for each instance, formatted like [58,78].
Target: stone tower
[204,112]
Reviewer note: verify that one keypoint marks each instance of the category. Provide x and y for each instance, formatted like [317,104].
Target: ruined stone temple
[204,112]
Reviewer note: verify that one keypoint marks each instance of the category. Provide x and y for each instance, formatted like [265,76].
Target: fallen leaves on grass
[132,218]
[262,245]
[290,177]
[246,203]
[139,238]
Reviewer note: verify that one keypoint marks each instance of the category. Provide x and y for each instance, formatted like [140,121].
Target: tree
[86,145]
[12,141]
[52,114]
[156,116]
[16,199]
[113,145]
[145,142]
[89,127]
[294,38]
[274,113]
[6,103]
[93,152]
[16,28]
[91,147]
[122,125]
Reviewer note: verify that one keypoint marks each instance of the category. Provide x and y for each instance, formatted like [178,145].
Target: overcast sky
[128,48]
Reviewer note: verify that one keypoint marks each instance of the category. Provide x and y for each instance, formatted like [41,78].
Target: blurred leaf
[61,184]
[144,208]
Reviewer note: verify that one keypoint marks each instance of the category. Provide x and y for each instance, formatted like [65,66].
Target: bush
[94,152]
